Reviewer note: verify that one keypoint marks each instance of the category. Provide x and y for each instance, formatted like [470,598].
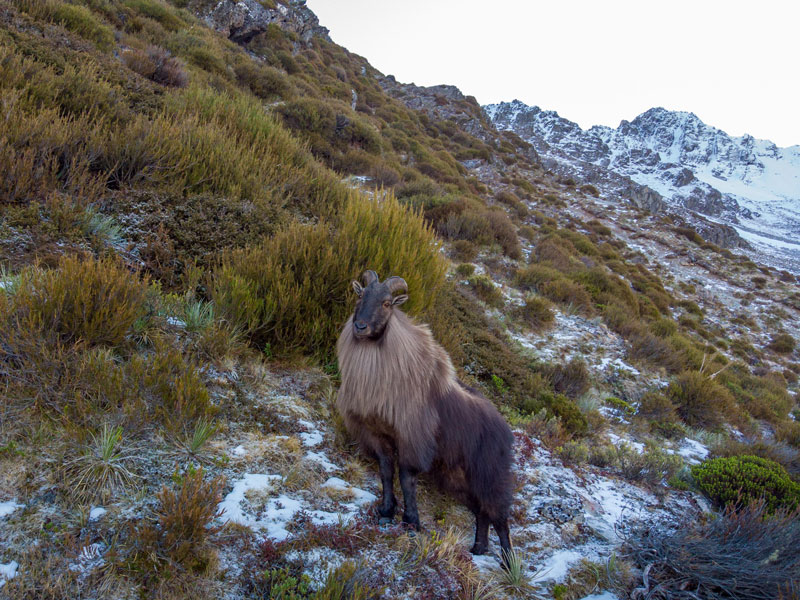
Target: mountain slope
[190,186]
[749,184]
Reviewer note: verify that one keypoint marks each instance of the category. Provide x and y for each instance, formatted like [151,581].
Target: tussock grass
[102,470]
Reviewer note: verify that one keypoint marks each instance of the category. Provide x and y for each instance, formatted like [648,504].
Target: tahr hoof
[478,549]
[385,521]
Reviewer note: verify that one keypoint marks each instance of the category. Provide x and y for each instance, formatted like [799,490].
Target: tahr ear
[398,300]
[358,289]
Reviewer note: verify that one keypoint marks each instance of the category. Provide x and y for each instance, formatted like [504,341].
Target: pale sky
[735,64]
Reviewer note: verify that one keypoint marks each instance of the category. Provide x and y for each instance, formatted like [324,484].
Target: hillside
[189,188]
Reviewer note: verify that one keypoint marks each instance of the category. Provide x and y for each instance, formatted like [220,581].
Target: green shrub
[557,252]
[485,289]
[533,277]
[655,406]
[292,291]
[741,480]
[158,11]
[75,18]
[620,405]
[465,269]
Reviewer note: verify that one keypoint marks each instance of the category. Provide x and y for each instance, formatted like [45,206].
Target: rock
[242,20]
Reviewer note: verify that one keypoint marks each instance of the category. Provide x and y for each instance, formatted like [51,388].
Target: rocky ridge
[738,191]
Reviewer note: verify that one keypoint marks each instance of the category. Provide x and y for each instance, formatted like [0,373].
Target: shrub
[536,313]
[512,202]
[292,291]
[652,466]
[485,289]
[782,343]
[568,292]
[557,252]
[700,401]
[741,554]
[184,517]
[504,233]
[779,452]
[741,480]
[75,18]
[464,250]
[619,405]
[158,11]
[571,379]
[533,277]
[655,406]
[156,64]
[465,269]
[95,302]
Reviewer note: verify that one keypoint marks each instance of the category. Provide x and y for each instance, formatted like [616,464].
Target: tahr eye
[387,304]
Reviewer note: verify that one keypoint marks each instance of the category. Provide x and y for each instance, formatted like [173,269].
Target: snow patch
[321,459]
[8,571]
[239,451]
[360,497]
[96,513]
[8,507]
[557,566]
[693,451]
[312,437]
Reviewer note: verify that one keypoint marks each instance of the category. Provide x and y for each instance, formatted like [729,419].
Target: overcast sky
[734,64]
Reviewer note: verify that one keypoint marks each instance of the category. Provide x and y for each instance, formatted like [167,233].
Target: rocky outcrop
[242,20]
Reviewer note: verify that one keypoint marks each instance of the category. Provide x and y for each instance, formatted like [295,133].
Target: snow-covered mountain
[752,185]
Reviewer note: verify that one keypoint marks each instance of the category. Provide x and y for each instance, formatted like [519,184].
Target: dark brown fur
[401,399]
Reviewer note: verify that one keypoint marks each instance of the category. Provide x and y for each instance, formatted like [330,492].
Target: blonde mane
[394,378]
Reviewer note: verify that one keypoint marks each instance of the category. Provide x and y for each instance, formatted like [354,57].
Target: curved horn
[368,277]
[396,284]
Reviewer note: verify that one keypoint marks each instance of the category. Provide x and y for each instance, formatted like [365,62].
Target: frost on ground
[563,516]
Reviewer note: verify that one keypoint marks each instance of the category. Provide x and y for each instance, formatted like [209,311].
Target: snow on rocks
[89,559]
[8,507]
[239,451]
[617,440]
[602,596]
[312,437]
